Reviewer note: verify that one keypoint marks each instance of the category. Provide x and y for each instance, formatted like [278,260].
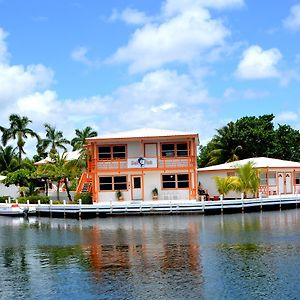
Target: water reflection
[242,256]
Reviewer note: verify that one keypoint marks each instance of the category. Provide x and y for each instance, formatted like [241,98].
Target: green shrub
[3,199]
[57,202]
[86,198]
[34,199]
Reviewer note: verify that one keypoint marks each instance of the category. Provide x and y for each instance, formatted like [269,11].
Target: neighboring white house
[276,176]
[11,191]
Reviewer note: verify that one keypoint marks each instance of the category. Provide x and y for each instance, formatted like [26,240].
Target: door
[137,187]
[288,183]
[285,183]
[151,150]
[280,177]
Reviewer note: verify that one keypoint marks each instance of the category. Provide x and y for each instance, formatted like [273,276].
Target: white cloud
[171,7]
[164,85]
[292,22]
[80,54]
[38,105]
[17,81]
[286,116]
[131,16]
[257,63]
[181,38]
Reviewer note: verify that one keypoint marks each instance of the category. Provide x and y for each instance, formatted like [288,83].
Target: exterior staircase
[85,184]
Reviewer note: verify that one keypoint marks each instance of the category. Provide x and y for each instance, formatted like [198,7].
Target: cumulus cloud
[292,22]
[181,39]
[130,16]
[257,63]
[171,7]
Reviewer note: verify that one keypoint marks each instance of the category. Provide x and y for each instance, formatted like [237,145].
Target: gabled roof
[259,162]
[69,156]
[143,133]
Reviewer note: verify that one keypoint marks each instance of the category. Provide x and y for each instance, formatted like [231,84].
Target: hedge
[86,198]
[3,199]
[34,199]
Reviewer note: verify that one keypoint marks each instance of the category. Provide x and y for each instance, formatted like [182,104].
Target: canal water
[240,256]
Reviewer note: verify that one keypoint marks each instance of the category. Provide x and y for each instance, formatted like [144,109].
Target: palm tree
[79,141]
[226,184]
[8,159]
[19,131]
[54,139]
[225,145]
[61,169]
[248,179]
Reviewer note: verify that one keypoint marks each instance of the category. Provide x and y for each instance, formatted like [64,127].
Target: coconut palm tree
[61,170]
[19,131]
[54,139]
[248,179]
[79,141]
[8,159]
[225,145]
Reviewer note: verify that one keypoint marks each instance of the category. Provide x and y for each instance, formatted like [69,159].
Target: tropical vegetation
[246,181]
[251,137]
[22,172]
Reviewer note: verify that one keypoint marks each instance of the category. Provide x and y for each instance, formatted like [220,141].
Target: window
[112,152]
[272,178]
[182,181]
[113,183]
[182,149]
[173,181]
[230,173]
[297,177]
[105,183]
[169,181]
[263,178]
[174,150]
[120,183]
[168,150]
[104,153]
[119,152]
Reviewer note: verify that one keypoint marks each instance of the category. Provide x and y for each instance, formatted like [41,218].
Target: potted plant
[155,194]
[119,195]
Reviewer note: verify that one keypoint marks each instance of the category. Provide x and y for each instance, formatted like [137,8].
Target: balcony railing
[146,163]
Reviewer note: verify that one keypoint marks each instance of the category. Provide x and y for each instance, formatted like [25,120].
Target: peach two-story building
[139,161]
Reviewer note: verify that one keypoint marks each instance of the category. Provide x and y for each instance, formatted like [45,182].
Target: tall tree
[79,141]
[19,131]
[8,159]
[245,138]
[286,143]
[54,139]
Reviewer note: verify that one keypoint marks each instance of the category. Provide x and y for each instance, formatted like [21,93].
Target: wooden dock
[165,207]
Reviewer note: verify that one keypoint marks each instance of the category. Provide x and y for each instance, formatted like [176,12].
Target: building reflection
[149,248]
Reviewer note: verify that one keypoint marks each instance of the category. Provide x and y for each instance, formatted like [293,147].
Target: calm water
[241,256]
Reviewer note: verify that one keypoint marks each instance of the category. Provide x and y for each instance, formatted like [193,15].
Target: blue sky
[174,64]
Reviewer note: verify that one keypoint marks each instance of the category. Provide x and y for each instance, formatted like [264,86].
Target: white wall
[11,191]
[151,180]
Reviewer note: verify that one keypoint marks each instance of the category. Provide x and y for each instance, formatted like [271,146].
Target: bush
[34,199]
[86,198]
[3,199]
